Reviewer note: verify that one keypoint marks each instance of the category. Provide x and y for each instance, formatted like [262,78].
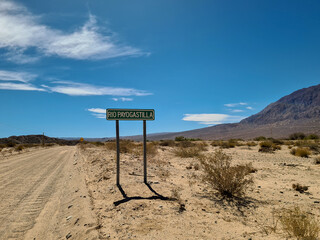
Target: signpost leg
[118,152]
[145,150]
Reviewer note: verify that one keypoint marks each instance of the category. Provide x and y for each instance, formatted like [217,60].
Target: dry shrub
[167,143]
[187,152]
[185,144]
[300,188]
[126,146]
[300,152]
[202,146]
[317,160]
[298,223]
[228,180]
[251,144]
[152,149]
[19,148]
[225,144]
[216,143]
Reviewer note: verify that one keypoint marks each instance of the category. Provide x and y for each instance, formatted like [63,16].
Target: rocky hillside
[297,112]
[36,139]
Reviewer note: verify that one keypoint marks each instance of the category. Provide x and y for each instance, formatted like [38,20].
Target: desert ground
[71,193]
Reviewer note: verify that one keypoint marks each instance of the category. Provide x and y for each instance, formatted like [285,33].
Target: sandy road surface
[43,195]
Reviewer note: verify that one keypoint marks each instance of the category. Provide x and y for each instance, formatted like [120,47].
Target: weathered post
[118,152]
[131,114]
[145,150]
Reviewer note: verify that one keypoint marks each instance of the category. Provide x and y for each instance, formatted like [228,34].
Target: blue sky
[197,63]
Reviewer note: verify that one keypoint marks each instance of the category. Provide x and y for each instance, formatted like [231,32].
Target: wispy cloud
[211,118]
[16,76]
[122,99]
[237,110]
[235,104]
[81,89]
[249,108]
[98,112]
[20,86]
[20,31]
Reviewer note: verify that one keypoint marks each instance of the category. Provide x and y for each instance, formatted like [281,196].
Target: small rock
[316,202]
[70,206]
[68,236]
[68,218]
[281,192]
[296,195]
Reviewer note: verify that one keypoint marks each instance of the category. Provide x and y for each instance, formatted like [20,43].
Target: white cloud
[81,89]
[16,76]
[123,99]
[235,104]
[249,108]
[97,110]
[99,115]
[237,110]
[211,118]
[20,86]
[20,30]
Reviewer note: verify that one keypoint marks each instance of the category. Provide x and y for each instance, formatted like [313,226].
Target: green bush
[228,180]
[260,138]
[297,136]
[180,138]
[313,136]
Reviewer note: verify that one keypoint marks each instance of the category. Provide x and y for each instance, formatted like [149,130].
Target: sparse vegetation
[169,143]
[228,180]
[260,138]
[297,136]
[298,223]
[126,146]
[300,152]
[186,144]
[19,148]
[300,188]
[187,152]
[251,144]
[268,147]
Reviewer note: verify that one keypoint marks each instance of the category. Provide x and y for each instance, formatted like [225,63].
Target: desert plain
[70,192]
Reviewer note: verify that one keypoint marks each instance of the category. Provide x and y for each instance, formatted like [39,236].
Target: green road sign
[130,114]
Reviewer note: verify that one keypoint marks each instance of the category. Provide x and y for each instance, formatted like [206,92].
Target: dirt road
[43,195]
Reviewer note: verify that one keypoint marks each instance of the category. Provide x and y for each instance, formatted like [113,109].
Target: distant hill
[36,139]
[297,112]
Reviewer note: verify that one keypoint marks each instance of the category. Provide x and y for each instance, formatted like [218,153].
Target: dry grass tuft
[298,223]
[300,152]
[187,152]
[228,180]
[126,146]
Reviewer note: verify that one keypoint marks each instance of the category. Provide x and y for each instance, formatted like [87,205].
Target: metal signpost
[131,114]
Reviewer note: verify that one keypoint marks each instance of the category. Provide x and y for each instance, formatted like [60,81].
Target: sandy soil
[177,205]
[43,195]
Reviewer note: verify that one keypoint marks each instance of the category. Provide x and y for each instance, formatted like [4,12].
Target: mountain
[297,112]
[36,139]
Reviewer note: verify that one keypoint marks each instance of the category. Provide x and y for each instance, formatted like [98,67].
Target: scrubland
[267,189]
